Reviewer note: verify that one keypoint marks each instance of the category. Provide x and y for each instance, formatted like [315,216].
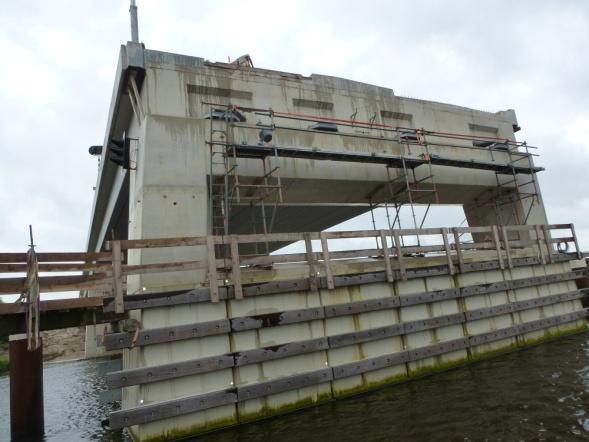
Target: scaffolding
[226,188]
[521,192]
[513,189]
[404,186]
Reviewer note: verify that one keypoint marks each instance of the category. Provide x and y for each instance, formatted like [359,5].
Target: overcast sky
[59,59]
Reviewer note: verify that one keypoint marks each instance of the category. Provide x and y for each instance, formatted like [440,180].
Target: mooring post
[27,421]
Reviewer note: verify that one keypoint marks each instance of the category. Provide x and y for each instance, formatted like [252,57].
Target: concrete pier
[200,167]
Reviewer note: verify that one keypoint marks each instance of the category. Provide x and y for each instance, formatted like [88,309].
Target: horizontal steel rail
[152,336]
[380,127]
[114,341]
[256,150]
[126,378]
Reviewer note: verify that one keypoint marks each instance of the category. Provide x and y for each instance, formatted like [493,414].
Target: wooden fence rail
[107,271]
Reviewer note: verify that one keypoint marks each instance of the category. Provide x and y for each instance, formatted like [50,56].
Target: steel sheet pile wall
[281,348]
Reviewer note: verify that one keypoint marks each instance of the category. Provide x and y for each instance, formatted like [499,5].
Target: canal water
[537,394]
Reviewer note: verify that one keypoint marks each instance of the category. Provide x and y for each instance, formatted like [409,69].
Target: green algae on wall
[267,411]
[186,432]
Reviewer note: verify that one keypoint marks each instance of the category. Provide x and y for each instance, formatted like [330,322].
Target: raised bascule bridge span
[208,170]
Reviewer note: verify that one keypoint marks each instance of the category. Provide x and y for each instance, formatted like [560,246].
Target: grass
[4,364]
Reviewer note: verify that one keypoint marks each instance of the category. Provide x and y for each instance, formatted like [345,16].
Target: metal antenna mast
[134,23]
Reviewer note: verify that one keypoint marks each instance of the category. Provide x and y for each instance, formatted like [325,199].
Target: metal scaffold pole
[407,187]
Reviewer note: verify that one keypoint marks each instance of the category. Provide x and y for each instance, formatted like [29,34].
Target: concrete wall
[176,92]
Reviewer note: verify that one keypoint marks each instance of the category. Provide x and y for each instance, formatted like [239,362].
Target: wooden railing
[107,271]
[98,263]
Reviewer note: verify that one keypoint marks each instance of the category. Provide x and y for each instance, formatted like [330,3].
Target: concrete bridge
[327,175]
[228,149]
[217,166]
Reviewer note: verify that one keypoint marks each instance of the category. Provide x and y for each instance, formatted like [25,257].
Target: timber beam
[56,314]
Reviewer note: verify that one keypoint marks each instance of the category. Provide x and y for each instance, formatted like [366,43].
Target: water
[538,394]
[72,408]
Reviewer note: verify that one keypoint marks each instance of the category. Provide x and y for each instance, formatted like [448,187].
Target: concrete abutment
[169,193]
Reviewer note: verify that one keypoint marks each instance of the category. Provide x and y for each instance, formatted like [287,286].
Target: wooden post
[548,243]
[497,243]
[579,253]
[458,250]
[506,245]
[402,269]
[236,270]
[27,421]
[386,256]
[540,247]
[328,273]
[117,277]
[311,263]
[444,232]
[212,269]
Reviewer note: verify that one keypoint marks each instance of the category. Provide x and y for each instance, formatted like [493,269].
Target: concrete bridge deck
[162,100]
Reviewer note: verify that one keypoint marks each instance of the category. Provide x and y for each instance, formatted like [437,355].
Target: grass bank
[4,364]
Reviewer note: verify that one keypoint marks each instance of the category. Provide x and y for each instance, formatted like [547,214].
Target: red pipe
[378,125]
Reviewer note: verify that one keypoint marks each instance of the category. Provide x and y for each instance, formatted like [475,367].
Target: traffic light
[95,150]
[120,152]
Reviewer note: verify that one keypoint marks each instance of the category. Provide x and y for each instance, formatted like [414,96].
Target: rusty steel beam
[27,420]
